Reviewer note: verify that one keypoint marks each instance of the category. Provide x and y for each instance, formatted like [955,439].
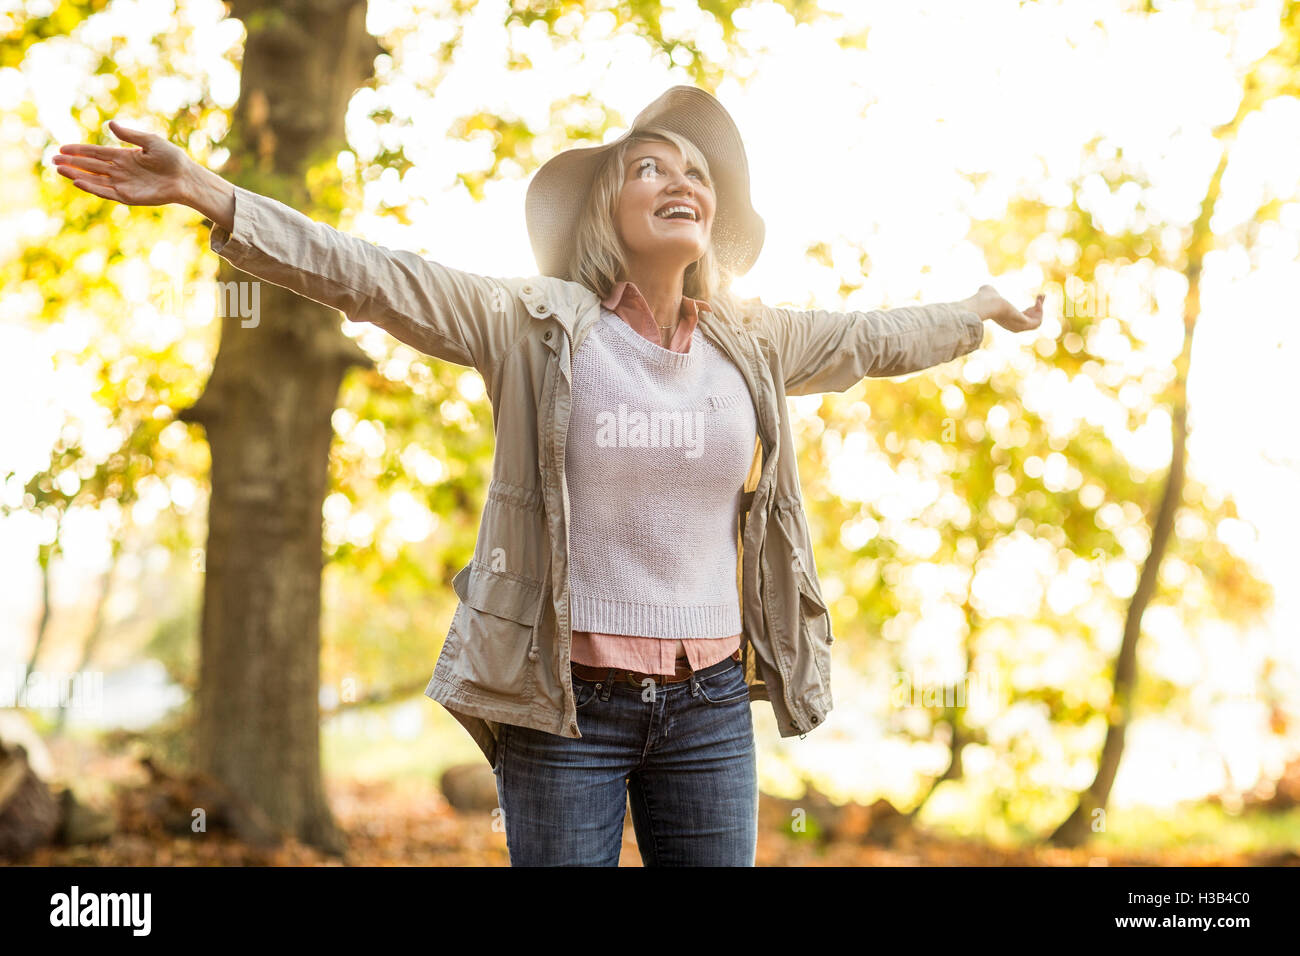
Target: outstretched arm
[457,316]
[824,351]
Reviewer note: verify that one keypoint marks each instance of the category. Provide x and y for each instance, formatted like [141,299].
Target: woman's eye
[649,169]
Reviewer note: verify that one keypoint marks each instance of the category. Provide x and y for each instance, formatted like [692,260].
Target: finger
[137,136]
[75,174]
[88,164]
[98,187]
[106,153]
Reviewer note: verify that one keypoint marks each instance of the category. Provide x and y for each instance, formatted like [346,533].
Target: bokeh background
[1061,569]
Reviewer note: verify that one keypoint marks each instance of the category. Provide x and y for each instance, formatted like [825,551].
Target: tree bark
[1090,812]
[266,411]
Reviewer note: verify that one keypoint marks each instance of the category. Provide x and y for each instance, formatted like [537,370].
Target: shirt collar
[626,301]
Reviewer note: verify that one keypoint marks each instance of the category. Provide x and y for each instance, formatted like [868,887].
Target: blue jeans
[683,753]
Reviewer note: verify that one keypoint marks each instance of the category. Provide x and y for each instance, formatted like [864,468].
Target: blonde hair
[598,260]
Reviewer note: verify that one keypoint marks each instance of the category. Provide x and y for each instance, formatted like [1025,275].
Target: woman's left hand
[989,305]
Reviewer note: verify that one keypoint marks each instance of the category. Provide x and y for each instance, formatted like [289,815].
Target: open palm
[149,176]
[990,305]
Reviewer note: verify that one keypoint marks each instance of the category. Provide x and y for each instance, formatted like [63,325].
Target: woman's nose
[678,179]
[681,188]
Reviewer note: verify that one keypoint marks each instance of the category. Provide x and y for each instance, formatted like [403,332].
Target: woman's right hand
[988,304]
[154,175]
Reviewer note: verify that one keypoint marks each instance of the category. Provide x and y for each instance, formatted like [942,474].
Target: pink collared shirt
[651,655]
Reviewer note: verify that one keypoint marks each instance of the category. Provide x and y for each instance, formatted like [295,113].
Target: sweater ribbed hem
[654,620]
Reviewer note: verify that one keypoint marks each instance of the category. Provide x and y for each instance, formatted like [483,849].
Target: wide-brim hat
[560,188]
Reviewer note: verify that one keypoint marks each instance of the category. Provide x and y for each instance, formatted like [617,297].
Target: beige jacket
[506,655]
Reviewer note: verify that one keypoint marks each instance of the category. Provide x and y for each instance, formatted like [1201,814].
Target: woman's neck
[662,291]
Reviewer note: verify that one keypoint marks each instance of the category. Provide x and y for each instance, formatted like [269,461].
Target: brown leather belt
[683,672]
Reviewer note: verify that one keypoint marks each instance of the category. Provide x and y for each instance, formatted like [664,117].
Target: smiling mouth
[678,212]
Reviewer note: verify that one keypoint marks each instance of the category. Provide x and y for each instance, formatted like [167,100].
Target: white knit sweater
[659,445]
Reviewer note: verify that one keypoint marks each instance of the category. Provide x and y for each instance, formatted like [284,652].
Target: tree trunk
[266,410]
[46,560]
[1090,813]
[96,632]
[954,715]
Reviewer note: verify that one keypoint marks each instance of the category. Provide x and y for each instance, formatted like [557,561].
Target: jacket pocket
[816,616]
[815,626]
[493,629]
[797,545]
[793,544]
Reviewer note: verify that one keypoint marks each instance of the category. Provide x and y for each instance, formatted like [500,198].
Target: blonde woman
[643,569]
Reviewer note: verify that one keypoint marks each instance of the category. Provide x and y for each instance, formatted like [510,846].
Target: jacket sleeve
[823,351]
[457,316]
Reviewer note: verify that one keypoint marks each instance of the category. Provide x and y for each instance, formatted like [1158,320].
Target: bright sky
[868,146]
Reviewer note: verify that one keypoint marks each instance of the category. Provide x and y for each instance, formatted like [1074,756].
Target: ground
[392,826]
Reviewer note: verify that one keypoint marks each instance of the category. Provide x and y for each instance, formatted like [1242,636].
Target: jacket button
[527,290]
[543,309]
[547,335]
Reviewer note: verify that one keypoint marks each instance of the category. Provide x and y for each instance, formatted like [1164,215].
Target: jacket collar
[548,298]
[574,306]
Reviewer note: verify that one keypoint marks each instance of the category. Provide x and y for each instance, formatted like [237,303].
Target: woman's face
[655,179]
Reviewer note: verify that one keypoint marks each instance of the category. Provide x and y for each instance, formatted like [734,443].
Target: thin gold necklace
[666,328]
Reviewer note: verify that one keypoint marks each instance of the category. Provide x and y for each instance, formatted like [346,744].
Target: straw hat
[560,187]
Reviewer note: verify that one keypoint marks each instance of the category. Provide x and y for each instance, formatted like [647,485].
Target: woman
[643,567]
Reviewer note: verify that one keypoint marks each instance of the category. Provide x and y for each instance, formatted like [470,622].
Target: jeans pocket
[725,687]
[585,691]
